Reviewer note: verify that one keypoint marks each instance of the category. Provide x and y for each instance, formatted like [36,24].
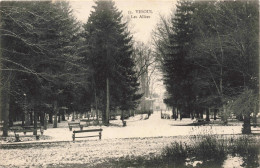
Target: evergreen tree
[213,55]
[226,48]
[38,45]
[177,67]
[110,50]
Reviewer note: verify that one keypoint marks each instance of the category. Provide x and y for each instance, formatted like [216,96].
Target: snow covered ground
[140,137]
[87,152]
[137,127]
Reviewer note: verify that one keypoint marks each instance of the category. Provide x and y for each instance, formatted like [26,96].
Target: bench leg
[37,137]
[99,135]
[42,132]
[17,138]
[73,136]
[81,127]
[70,128]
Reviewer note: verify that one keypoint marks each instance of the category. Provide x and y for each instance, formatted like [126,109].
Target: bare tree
[144,61]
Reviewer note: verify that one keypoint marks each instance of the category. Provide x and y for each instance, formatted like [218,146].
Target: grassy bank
[201,151]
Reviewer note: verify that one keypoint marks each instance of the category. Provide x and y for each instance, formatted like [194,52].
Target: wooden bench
[87,121]
[39,127]
[89,130]
[90,122]
[17,136]
[75,124]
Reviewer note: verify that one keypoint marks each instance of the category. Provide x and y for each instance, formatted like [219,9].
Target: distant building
[158,104]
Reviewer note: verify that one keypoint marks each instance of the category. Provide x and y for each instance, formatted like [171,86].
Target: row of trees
[209,55]
[49,61]
[37,41]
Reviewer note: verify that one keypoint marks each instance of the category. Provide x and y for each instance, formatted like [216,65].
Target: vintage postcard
[129,83]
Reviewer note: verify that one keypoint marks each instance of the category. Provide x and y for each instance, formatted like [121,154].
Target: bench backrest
[24,130]
[31,127]
[73,123]
[90,130]
[85,120]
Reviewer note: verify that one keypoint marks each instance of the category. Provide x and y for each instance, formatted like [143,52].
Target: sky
[140,27]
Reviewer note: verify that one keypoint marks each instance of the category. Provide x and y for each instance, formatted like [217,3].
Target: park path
[156,127]
[138,126]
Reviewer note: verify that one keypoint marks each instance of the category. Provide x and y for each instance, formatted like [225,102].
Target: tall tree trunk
[11,122]
[240,117]
[59,118]
[246,126]
[1,92]
[143,90]
[80,115]
[108,102]
[254,119]
[197,112]
[192,114]
[122,115]
[45,121]
[103,116]
[201,113]
[63,116]
[254,115]
[35,122]
[207,114]
[26,113]
[96,108]
[11,112]
[180,115]
[5,108]
[73,116]
[130,113]
[23,119]
[55,110]
[173,113]
[215,114]
[31,118]
[42,118]
[50,118]
[68,117]
[224,115]
[93,115]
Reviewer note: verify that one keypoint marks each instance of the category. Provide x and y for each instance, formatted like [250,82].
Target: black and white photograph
[129,84]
